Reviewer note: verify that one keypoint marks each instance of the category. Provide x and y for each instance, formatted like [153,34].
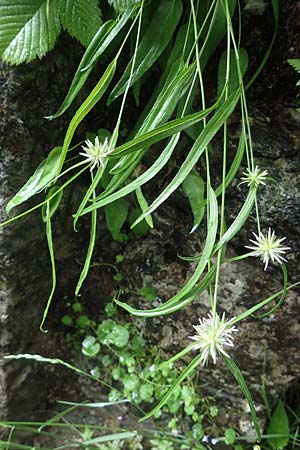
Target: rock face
[27,93]
[35,90]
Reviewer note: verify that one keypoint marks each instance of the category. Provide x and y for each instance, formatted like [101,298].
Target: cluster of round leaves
[136,372]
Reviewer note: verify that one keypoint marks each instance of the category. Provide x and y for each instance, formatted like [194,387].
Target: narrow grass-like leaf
[42,176]
[42,359]
[52,203]
[193,187]
[186,372]
[279,425]
[150,173]
[161,132]
[243,385]
[172,304]
[234,74]
[109,437]
[85,108]
[69,181]
[154,41]
[282,297]
[175,87]
[89,193]
[239,220]
[47,212]
[92,405]
[198,148]
[263,303]
[90,250]
[143,205]
[106,34]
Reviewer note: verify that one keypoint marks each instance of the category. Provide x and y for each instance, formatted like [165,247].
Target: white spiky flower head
[95,153]
[268,247]
[213,334]
[255,177]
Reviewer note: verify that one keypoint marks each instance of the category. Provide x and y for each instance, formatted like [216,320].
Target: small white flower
[254,177]
[268,247]
[213,334]
[96,152]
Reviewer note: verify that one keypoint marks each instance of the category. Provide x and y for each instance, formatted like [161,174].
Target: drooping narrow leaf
[81,18]
[85,108]
[30,210]
[122,6]
[243,385]
[234,75]
[186,372]
[279,425]
[159,163]
[239,220]
[48,210]
[216,31]
[90,250]
[106,34]
[27,29]
[198,148]
[143,205]
[154,41]
[42,176]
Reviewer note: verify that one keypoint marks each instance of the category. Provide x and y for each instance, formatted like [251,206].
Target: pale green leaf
[154,41]
[193,187]
[116,215]
[81,18]
[28,29]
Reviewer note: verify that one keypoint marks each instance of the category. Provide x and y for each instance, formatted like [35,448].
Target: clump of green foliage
[184,36]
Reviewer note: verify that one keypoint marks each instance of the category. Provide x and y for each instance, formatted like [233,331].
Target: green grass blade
[86,106]
[80,77]
[143,205]
[197,150]
[90,250]
[263,303]
[186,372]
[162,132]
[88,195]
[159,163]
[47,212]
[69,181]
[282,297]
[243,385]
[42,176]
[170,305]
[154,41]
[239,220]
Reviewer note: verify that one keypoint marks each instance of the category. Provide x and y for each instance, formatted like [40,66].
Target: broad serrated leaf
[81,18]
[193,187]
[28,29]
[123,5]
[43,175]
[279,425]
